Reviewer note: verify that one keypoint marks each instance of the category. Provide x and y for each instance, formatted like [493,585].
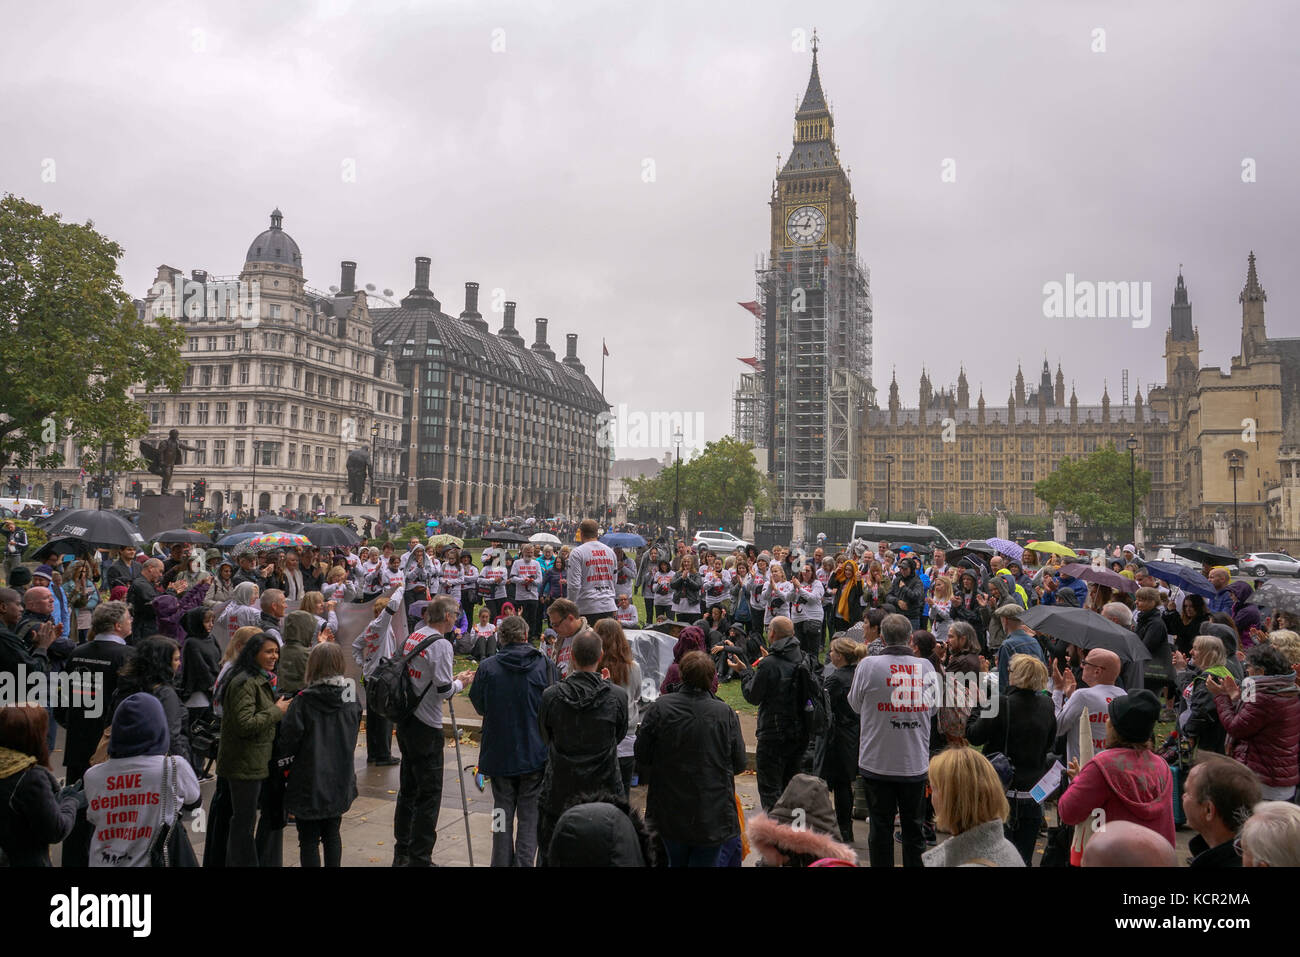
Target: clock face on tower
[806,225]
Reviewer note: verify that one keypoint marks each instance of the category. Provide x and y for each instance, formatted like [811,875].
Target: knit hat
[139,727]
[20,577]
[1134,715]
[118,593]
[45,571]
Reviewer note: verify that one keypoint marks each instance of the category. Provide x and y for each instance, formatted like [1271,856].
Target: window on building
[189,376]
[310,382]
[320,459]
[241,413]
[223,413]
[230,343]
[183,413]
[293,417]
[995,443]
[909,470]
[936,470]
[248,342]
[968,445]
[194,343]
[330,461]
[243,373]
[967,470]
[995,470]
[293,456]
[205,375]
[201,452]
[1058,443]
[212,343]
[155,413]
[223,374]
[1027,501]
[334,424]
[218,451]
[202,414]
[881,446]
[320,421]
[275,311]
[296,372]
[239,451]
[1027,444]
[967,501]
[1026,471]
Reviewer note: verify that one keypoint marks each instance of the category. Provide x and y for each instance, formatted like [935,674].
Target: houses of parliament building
[1195,434]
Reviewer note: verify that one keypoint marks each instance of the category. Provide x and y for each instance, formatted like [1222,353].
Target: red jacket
[1264,734]
[1127,785]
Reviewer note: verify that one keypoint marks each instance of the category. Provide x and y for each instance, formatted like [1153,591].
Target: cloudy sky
[609,165]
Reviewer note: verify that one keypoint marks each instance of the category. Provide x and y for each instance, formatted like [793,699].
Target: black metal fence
[767,534]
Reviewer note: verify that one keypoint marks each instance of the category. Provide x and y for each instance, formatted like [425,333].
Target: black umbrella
[970,557]
[1204,553]
[256,527]
[174,535]
[1085,629]
[96,528]
[49,520]
[979,545]
[329,535]
[61,546]
[281,524]
[505,537]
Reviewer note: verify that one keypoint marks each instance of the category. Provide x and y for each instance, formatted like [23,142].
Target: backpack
[390,692]
[811,697]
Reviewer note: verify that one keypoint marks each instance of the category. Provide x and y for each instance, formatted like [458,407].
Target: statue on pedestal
[164,456]
[358,466]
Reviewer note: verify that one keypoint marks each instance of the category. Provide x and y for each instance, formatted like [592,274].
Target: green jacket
[299,630]
[248,727]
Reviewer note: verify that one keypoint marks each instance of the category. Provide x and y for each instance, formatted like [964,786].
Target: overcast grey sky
[177,128]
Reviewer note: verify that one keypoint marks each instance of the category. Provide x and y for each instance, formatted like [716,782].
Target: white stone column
[1058,525]
[797,517]
[1222,529]
[1004,525]
[747,527]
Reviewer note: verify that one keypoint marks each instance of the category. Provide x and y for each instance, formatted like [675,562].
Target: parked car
[1263,564]
[722,543]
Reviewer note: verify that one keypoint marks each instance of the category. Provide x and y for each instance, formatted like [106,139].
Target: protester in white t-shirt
[139,789]
[625,613]
[1100,669]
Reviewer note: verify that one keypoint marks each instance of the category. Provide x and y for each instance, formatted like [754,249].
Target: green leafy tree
[719,480]
[1096,487]
[71,344]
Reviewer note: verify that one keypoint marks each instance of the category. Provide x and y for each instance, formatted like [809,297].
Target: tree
[718,481]
[71,344]
[1096,487]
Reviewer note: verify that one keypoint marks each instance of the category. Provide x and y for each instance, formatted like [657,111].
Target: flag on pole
[604,349]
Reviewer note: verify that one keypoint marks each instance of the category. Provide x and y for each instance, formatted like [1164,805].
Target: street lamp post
[1235,466]
[573,485]
[1132,445]
[103,454]
[889,485]
[253,505]
[677,479]
[374,440]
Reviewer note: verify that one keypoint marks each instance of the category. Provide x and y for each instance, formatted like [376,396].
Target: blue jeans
[681,854]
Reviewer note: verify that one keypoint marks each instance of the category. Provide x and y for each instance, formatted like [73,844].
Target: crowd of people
[839,653]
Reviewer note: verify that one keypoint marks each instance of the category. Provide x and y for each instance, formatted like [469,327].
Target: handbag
[1000,760]
[170,846]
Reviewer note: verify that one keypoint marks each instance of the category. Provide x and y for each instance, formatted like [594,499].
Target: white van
[18,504]
[876,532]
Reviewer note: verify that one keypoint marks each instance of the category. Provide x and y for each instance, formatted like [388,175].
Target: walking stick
[460,776]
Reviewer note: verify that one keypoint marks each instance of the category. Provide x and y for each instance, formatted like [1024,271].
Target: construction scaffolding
[813,333]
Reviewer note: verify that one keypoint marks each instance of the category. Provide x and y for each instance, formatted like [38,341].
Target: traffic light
[15,484]
[92,488]
[201,489]
[136,490]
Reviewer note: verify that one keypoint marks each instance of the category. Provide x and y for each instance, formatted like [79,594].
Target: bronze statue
[164,456]
[358,465]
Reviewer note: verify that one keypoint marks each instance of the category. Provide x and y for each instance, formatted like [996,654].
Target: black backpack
[813,701]
[390,692]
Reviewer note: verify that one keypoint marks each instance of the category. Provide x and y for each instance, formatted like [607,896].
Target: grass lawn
[729,691]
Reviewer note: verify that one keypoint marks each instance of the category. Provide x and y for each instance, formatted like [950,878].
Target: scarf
[847,573]
[12,762]
[269,676]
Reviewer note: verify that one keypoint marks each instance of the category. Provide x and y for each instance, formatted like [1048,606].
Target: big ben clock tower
[802,404]
[812,199]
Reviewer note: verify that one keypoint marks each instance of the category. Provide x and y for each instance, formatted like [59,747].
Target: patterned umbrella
[1280,596]
[279,540]
[236,538]
[1009,549]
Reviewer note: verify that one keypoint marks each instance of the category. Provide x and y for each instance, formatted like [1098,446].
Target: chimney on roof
[539,345]
[421,295]
[471,313]
[571,354]
[508,331]
[348,282]
[199,275]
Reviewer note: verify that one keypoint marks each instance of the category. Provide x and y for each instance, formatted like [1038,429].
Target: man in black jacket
[31,653]
[782,735]
[689,748]
[140,596]
[15,542]
[246,572]
[583,718]
[123,571]
[96,664]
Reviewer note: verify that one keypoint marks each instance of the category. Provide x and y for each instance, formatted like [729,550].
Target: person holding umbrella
[1019,641]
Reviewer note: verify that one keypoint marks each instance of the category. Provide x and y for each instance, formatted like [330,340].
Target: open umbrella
[1204,553]
[623,540]
[438,541]
[329,535]
[1188,579]
[235,538]
[61,546]
[174,535]
[979,545]
[432,523]
[255,527]
[1004,547]
[1051,548]
[1100,576]
[544,538]
[103,529]
[279,540]
[1086,629]
[286,524]
[1278,595]
[913,547]
[510,537]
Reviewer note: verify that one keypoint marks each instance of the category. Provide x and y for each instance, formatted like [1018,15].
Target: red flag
[604,349]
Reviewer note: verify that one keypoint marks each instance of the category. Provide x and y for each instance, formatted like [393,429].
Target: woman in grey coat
[970,803]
